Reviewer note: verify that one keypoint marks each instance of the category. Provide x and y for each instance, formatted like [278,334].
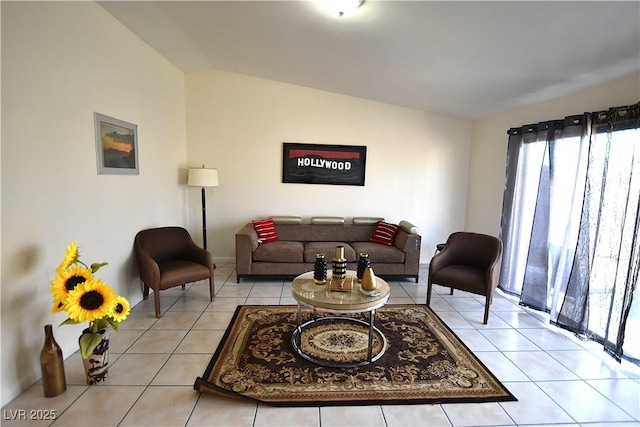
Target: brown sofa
[299,243]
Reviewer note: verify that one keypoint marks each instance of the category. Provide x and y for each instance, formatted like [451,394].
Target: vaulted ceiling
[468,60]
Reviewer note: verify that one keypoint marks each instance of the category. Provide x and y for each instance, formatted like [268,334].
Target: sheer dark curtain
[571,218]
[607,254]
[545,178]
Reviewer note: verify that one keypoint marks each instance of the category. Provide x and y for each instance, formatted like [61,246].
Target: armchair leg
[211,289]
[156,301]
[486,310]
[145,291]
[429,286]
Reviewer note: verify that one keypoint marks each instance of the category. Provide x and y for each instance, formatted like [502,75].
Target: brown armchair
[168,257]
[469,262]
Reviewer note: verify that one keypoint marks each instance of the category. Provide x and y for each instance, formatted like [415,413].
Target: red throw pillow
[266,230]
[385,233]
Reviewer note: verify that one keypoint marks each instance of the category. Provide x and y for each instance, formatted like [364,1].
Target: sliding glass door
[570,223]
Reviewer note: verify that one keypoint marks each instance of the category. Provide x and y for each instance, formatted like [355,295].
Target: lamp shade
[202,177]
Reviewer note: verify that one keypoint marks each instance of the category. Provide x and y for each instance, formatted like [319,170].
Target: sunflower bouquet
[86,298]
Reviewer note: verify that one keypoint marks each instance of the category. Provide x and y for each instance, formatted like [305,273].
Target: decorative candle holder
[339,264]
[320,270]
[363,263]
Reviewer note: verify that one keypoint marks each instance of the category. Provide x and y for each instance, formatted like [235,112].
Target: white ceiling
[462,59]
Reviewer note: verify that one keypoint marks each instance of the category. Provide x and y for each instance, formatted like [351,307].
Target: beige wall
[416,162]
[61,62]
[489,147]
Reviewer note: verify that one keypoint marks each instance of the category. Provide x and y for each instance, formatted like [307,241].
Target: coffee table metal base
[296,339]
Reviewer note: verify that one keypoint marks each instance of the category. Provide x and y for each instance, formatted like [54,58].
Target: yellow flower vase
[369,280]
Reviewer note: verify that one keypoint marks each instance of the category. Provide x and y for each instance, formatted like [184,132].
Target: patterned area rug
[424,362]
[336,340]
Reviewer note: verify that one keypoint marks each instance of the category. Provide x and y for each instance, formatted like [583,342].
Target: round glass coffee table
[341,340]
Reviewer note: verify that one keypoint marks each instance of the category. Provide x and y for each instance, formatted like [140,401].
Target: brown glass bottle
[52,364]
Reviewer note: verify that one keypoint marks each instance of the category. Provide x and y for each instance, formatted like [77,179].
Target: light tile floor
[558,380]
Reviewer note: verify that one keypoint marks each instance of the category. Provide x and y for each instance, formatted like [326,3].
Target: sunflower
[90,300]
[121,309]
[65,281]
[71,256]
[85,298]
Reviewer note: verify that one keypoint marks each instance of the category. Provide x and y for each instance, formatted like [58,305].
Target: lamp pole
[204,219]
[201,177]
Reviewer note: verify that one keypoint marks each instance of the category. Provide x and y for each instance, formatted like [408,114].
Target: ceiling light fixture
[340,7]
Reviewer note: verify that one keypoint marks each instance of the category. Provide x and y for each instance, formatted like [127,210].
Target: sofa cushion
[379,253]
[286,219]
[266,230]
[325,220]
[385,233]
[280,251]
[325,232]
[366,220]
[311,249]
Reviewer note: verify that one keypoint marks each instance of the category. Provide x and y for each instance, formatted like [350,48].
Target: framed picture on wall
[323,164]
[116,146]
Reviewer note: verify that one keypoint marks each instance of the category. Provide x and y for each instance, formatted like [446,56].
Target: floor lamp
[203,178]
